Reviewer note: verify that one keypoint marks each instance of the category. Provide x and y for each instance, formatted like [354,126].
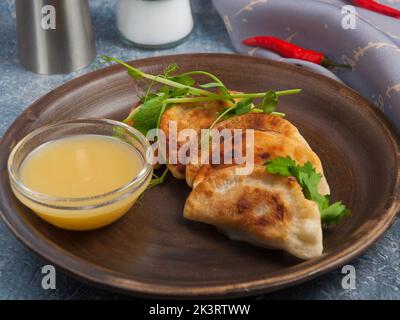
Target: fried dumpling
[263,209]
[256,121]
[263,122]
[194,116]
[267,145]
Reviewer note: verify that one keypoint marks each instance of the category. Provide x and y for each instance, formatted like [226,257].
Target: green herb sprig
[309,180]
[180,89]
[156,180]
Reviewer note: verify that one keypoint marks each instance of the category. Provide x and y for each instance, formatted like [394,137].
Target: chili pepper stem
[338,65]
[328,63]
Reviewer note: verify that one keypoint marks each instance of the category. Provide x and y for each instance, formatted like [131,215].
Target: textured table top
[377,271]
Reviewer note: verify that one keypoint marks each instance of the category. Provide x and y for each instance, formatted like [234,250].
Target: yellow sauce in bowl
[80,166]
[83,181]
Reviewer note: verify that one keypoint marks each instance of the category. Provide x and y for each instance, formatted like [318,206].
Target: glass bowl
[81,213]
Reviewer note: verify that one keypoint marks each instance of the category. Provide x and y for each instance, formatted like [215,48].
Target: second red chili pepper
[289,50]
[377,7]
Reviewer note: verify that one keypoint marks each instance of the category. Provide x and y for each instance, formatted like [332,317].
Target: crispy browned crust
[195,116]
[239,209]
[266,210]
[262,122]
[256,121]
[267,145]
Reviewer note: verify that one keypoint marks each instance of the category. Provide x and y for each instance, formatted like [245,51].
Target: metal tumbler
[54,36]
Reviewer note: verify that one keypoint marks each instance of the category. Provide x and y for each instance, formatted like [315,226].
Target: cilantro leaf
[309,180]
[281,166]
[334,213]
[147,116]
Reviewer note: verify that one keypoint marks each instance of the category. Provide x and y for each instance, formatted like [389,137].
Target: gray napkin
[372,48]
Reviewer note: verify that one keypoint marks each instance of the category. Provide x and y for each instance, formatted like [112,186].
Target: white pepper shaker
[154,24]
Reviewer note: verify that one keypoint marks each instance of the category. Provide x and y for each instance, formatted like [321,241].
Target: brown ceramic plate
[153,251]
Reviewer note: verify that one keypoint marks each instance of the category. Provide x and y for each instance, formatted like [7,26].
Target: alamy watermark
[349,280]
[349,20]
[215,147]
[49,278]
[48,17]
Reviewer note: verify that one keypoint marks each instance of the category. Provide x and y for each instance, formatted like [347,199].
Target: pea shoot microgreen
[157,180]
[173,88]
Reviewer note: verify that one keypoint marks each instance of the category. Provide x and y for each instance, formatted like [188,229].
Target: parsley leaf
[334,213]
[281,166]
[309,179]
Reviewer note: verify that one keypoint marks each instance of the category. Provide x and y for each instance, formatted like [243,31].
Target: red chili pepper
[289,50]
[377,7]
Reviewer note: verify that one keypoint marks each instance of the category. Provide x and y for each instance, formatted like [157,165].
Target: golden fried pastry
[263,209]
[266,145]
[262,122]
[194,116]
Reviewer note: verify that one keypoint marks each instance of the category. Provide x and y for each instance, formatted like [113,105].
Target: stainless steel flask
[54,36]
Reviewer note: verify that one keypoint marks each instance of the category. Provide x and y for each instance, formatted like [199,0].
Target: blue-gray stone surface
[378,270]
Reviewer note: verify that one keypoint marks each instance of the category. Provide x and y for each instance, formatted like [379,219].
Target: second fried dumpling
[263,122]
[263,209]
[267,145]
